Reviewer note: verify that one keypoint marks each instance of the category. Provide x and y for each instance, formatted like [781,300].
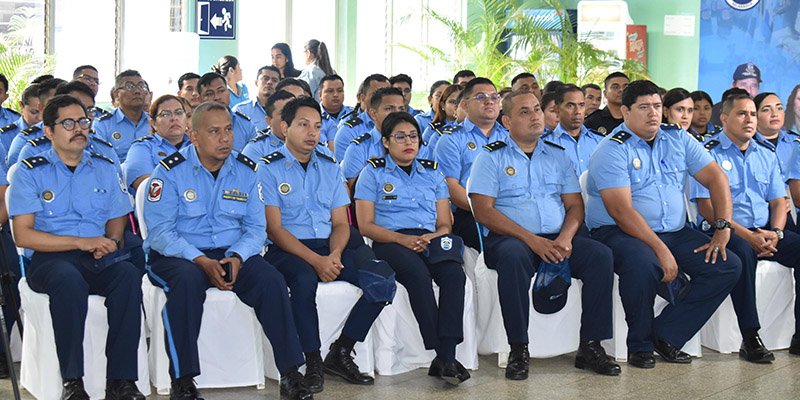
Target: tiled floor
[714,376]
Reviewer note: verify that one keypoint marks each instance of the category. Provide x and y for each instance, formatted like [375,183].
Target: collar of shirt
[660,135]
[472,128]
[364,115]
[118,116]
[391,166]
[54,159]
[289,158]
[20,122]
[375,136]
[782,137]
[190,153]
[727,144]
[163,141]
[541,148]
[560,130]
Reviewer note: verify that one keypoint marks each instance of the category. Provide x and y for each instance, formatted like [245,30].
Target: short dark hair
[470,86]
[564,89]
[75,86]
[49,85]
[29,93]
[394,119]
[377,97]
[613,75]
[761,96]
[552,86]
[362,89]
[401,78]
[436,86]
[268,68]
[50,114]
[698,95]
[293,82]
[547,98]
[508,101]
[186,77]
[590,86]
[205,107]
[128,73]
[522,75]
[4,81]
[674,96]
[329,78]
[269,107]
[727,104]
[206,80]
[77,72]
[40,78]
[732,91]
[636,89]
[463,74]
[290,109]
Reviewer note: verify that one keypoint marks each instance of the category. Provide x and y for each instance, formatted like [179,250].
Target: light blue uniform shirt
[754,178]
[243,130]
[456,152]
[349,130]
[255,112]
[242,98]
[120,131]
[187,210]
[267,143]
[364,147]
[527,190]
[7,116]
[95,145]
[312,74]
[424,119]
[330,123]
[20,139]
[144,155]
[657,177]
[306,198]
[786,144]
[402,201]
[9,131]
[69,203]
[3,168]
[580,150]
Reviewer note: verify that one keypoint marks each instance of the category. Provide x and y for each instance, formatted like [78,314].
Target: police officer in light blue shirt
[129,120]
[756,187]
[7,116]
[525,192]
[69,206]
[434,97]
[456,152]
[636,206]
[272,139]
[359,122]
[578,141]
[382,103]
[331,94]
[266,79]
[31,109]
[306,206]
[404,83]
[213,87]
[11,265]
[169,135]
[205,215]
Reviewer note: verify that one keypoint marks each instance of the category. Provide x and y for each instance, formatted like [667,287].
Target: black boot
[518,361]
[753,350]
[339,362]
[448,371]
[73,390]
[118,389]
[3,366]
[591,355]
[184,389]
[315,378]
[794,348]
[293,387]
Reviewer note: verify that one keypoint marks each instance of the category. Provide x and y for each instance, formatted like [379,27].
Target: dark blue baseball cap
[551,286]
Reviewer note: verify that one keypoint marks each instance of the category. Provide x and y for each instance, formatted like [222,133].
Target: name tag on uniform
[390,197]
[235,195]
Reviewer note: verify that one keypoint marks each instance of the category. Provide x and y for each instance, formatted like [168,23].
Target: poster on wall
[755,41]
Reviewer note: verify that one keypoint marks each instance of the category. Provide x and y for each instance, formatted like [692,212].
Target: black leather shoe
[293,387]
[642,359]
[753,350]
[592,356]
[518,361]
[794,348]
[448,371]
[315,377]
[184,389]
[3,367]
[339,362]
[73,390]
[118,389]
[669,353]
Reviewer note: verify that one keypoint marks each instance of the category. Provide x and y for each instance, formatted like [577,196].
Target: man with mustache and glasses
[129,121]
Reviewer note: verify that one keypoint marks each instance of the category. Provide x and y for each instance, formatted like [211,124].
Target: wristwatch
[721,224]
[779,231]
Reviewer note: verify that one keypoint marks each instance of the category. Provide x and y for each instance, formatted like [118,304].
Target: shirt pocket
[761,177]
[100,200]
[674,172]
[191,209]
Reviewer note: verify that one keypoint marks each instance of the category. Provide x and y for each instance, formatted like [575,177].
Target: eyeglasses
[69,123]
[131,86]
[89,78]
[405,90]
[169,114]
[452,102]
[403,138]
[483,97]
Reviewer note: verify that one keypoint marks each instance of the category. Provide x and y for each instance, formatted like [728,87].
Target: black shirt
[602,121]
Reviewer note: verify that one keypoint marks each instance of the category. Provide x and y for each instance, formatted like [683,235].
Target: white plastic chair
[225,320]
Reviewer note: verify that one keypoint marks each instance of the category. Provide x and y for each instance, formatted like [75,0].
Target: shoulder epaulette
[38,141]
[247,161]
[107,144]
[717,129]
[34,162]
[355,121]
[495,145]
[172,160]
[711,144]
[448,130]
[352,113]
[670,127]
[101,157]
[621,137]
[325,156]
[766,144]
[104,117]
[260,137]
[377,162]
[429,164]
[140,139]
[558,146]
[361,138]
[32,129]
[275,156]
[595,132]
[12,111]
[241,114]
[7,128]
[792,133]
[699,137]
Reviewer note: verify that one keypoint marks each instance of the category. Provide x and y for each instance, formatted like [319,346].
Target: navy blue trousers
[640,274]
[465,227]
[303,280]
[11,265]
[516,265]
[60,276]
[445,320]
[258,285]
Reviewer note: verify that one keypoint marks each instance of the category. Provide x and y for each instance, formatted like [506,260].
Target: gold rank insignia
[48,196]
[510,171]
[116,135]
[190,195]
[388,187]
[234,195]
[472,145]
[284,188]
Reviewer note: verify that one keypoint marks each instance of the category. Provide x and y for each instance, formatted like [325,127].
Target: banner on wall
[636,43]
[753,40]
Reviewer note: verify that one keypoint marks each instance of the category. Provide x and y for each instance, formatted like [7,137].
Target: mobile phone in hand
[228,267]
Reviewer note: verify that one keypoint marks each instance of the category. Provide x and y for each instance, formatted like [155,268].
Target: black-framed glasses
[403,138]
[168,114]
[483,97]
[89,78]
[69,123]
[131,86]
